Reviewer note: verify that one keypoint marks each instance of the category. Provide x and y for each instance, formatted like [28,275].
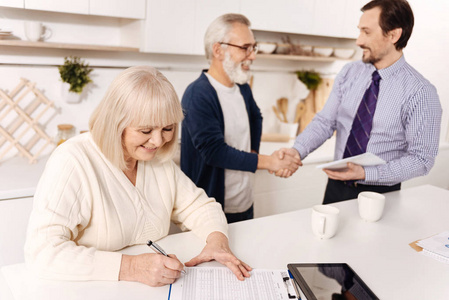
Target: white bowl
[283,49]
[323,51]
[344,53]
[307,48]
[267,48]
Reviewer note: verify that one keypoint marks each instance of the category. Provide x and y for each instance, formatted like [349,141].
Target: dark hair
[394,14]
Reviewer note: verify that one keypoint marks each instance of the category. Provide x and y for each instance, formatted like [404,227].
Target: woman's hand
[217,248]
[150,269]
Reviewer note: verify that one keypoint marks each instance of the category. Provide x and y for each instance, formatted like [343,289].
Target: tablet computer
[329,281]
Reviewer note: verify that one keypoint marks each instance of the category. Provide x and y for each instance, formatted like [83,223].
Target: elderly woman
[116,186]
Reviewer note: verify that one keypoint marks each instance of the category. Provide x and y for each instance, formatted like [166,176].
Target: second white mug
[371,206]
[324,221]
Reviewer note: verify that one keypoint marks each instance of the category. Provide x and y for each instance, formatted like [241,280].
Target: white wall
[428,49]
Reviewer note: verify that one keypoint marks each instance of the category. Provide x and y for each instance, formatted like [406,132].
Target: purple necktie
[363,121]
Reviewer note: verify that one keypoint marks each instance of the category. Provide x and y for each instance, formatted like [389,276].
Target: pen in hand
[158,249]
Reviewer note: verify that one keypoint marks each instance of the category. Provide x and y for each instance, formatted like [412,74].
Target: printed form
[220,283]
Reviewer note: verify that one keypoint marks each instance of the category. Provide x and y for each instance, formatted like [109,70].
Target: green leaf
[311,79]
[76,73]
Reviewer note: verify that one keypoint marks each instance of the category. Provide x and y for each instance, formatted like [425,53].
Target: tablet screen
[329,282]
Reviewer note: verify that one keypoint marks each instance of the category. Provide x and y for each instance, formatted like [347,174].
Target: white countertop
[378,252]
[19,179]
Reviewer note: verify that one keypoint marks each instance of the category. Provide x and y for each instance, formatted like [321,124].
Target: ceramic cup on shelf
[35,31]
[371,206]
[324,221]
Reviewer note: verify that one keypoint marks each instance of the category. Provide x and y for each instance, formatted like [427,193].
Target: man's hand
[352,172]
[287,153]
[286,162]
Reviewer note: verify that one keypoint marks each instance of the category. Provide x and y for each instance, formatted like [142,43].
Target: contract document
[203,283]
[365,159]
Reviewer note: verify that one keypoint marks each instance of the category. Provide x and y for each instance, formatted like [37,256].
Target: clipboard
[210,283]
[324,280]
[365,159]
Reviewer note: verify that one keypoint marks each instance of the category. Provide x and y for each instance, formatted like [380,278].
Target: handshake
[283,162]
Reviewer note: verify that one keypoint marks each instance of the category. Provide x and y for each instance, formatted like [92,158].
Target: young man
[379,105]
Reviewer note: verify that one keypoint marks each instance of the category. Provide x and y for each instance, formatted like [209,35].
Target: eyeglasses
[248,49]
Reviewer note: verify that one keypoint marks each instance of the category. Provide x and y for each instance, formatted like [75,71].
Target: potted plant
[306,108]
[311,79]
[75,73]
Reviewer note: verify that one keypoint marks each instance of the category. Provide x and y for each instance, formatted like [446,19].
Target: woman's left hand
[217,248]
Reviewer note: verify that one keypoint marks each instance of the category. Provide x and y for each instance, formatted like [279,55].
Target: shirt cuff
[301,150]
[371,174]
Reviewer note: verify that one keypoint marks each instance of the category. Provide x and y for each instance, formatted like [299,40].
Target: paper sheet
[365,159]
[436,246]
[204,283]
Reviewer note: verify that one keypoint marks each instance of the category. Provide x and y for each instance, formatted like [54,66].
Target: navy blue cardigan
[204,153]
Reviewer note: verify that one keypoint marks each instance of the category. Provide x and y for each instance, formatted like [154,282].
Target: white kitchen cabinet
[353,14]
[329,18]
[67,6]
[337,18]
[207,11]
[134,9]
[14,215]
[293,16]
[169,27]
[181,30]
[12,3]
[333,18]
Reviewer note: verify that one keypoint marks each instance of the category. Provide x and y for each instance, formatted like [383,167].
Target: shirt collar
[391,70]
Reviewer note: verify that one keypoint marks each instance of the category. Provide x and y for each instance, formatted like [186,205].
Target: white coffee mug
[35,31]
[371,206]
[324,221]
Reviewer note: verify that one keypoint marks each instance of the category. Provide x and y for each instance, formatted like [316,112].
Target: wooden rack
[15,115]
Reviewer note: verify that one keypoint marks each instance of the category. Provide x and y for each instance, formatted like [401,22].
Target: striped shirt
[406,124]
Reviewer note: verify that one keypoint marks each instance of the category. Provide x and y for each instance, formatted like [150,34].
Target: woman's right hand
[150,269]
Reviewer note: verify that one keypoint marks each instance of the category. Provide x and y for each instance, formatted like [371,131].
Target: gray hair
[219,29]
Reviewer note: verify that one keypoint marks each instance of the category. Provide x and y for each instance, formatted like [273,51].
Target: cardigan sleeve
[193,209]
[61,210]
[204,122]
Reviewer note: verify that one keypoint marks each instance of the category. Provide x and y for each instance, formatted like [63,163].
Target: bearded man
[222,127]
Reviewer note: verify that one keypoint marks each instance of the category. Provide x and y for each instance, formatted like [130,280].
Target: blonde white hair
[140,97]
[218,31]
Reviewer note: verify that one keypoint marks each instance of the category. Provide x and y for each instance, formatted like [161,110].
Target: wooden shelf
[20,43]
[300,58]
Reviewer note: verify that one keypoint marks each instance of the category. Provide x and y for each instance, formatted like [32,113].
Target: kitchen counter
[19,179]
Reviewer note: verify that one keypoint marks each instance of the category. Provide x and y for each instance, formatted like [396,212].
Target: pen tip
[149,243]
